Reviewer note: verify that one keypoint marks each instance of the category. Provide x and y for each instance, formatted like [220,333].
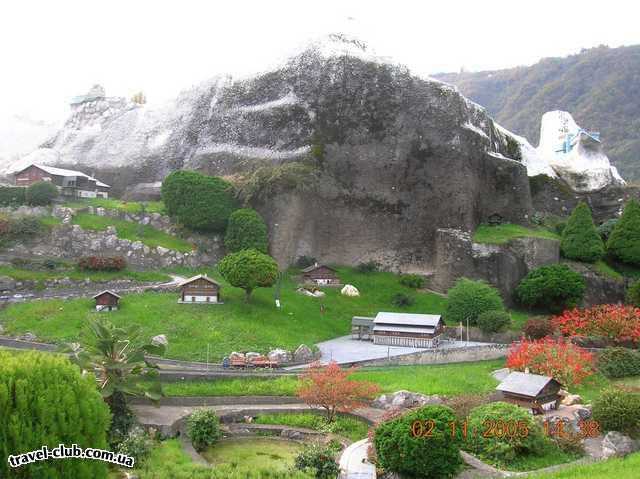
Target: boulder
[349,290]
[291,434]
[7,283]
[571,399]
[314,294]
[582,413]
[404,400]
[278,355]
[28,336]
[303,354]
[160,339]
[162,250]
[617,444]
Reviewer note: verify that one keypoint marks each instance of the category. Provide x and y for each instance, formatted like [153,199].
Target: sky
[51,51]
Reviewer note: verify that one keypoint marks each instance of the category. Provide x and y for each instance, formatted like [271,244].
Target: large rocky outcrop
[348,158]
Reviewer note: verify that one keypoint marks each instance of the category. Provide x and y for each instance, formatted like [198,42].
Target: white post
[207,356]
[467,331]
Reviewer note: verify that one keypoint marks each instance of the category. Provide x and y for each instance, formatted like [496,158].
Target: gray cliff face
[389,157]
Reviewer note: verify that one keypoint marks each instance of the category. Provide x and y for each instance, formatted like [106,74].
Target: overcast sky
[53,50]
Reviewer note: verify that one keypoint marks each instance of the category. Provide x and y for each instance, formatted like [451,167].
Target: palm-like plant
[118,358]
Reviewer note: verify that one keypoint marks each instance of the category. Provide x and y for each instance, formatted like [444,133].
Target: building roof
[404,329]
[313,267]
[52,170]
[361,321]
[408,319]
[199,276]
[524,383]
[106,291]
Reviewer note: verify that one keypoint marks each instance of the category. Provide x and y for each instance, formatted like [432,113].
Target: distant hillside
[599,86]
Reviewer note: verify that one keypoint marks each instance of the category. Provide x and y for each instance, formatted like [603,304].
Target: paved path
[345,350]
[354,463]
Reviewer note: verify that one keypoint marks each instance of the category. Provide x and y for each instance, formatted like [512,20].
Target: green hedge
[12,196]
[624,241]
[468,299]
[619,362]
[580,238]
[554,287]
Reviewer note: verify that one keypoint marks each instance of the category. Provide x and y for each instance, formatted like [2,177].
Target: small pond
[254,453]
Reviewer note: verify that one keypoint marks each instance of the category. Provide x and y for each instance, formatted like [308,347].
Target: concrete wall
[443,356]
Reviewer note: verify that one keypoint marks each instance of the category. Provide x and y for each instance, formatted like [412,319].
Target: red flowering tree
[331,389]
[617,323]
[565,362]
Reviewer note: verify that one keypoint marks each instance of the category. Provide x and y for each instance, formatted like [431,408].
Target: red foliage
[102,263]
[330,388]
[616,323]
[565,362]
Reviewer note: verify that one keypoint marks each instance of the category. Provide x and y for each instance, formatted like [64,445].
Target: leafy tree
[554,287]
[580,238]
[562,360]
[494,321]
[117,356]
[249,269]
[203,428]
[624,241]
[44,400]
[198,201]
[468,299]
[246,230]
[331,389]
[41,193]
[401,447]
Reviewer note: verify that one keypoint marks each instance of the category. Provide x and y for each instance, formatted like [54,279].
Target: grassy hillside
[115,204]
[234,325]
[599,86]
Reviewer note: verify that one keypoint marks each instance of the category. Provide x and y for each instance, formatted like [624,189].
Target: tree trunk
[247,295]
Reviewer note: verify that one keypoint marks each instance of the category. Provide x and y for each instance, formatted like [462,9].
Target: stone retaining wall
[443,356]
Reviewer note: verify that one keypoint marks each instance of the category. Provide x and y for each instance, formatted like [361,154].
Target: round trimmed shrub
[437,456]
[246,230]
[249,269]
[402,300]
[41,193]
[45,400]
[515,432]
[554,287]
[624,241]
[197,201]
[619,362]
[618,410]
[468,299]
[633,294]
[203,428]
[414,281]
[494,321]
[319,459]
[538,328]
[580,239]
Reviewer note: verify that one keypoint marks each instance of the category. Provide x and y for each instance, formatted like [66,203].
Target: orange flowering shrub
[564,361]
[617,323]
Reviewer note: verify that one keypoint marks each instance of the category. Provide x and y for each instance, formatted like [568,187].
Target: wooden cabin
[531,391]
[408,329]
[320,275]
[200,289]
[106,301]
[70,183]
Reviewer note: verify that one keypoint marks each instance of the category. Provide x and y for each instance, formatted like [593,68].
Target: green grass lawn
[349,427]
[501,234]
[115,204]
[620,468]
[133,232]
[253,453]
[232,326]
[73,273]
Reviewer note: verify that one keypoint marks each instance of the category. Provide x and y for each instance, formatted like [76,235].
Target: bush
[516,432]
[246,230]
[203,428]
[414,281]
[137,444]
[368,267]
[605,229]
[463,404]
[249,269]
[494,321]
[468,299]
[319,460]
[624,241]
[611,322]
[399,451]
[538,328]
[102,263]
[402,300]
[564,361]
[41,193]
[12,195]
[554,287]
[45,400]
[198,201]
[580,239]
[633,294]
[619,362]
[305,261]
[618,410]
